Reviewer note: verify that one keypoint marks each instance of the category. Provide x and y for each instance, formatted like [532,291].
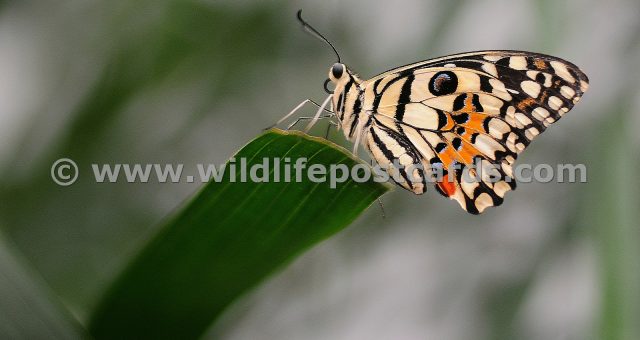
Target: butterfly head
[337,71]
[339,75]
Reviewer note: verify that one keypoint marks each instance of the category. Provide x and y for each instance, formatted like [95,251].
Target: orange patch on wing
[450,122]
[526,103]
[468,104]
[539,63]
[475,121]
[543,96]
[467,152]
[449,188]
[447,156]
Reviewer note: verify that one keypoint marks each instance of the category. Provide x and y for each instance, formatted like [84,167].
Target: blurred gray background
[192,81]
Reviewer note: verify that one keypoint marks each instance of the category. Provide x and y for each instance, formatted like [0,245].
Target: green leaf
[27,308]
[228,239]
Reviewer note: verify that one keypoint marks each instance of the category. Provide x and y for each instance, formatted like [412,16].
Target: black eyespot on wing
[337,70]
[443,83]
[460,130]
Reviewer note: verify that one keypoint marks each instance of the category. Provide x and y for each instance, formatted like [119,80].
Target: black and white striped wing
[480,108]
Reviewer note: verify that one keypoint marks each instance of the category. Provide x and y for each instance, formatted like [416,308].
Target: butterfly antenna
[315,33]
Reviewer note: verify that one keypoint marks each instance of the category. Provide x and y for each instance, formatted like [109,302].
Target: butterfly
[477,108]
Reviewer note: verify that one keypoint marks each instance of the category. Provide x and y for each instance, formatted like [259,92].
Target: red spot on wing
[447,187]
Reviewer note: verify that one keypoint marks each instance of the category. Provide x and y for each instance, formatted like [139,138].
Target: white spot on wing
[549,121]
[499,90]
[492,57]
[522,118]
[547,80]
[490,68]
[555,102]
[540,113]
[518,63]
[562,72]
[511,142]
[487,145]
[531,88]
[497,128]
[531,133]
[483,201]
[501,188]
[567,92]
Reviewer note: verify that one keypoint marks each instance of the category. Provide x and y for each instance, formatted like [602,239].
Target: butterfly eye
[442,83]
[337,70]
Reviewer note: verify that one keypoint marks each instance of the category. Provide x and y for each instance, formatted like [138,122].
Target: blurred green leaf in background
[144,46]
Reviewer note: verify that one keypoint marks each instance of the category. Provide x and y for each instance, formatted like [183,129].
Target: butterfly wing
[481,108]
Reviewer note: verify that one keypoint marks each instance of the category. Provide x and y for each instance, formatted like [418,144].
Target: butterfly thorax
[347,100]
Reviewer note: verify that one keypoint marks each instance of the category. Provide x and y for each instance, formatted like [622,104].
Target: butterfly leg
[361,134]
[355,144]
[318,113]
[299,119]
[295,109]
[326,134]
